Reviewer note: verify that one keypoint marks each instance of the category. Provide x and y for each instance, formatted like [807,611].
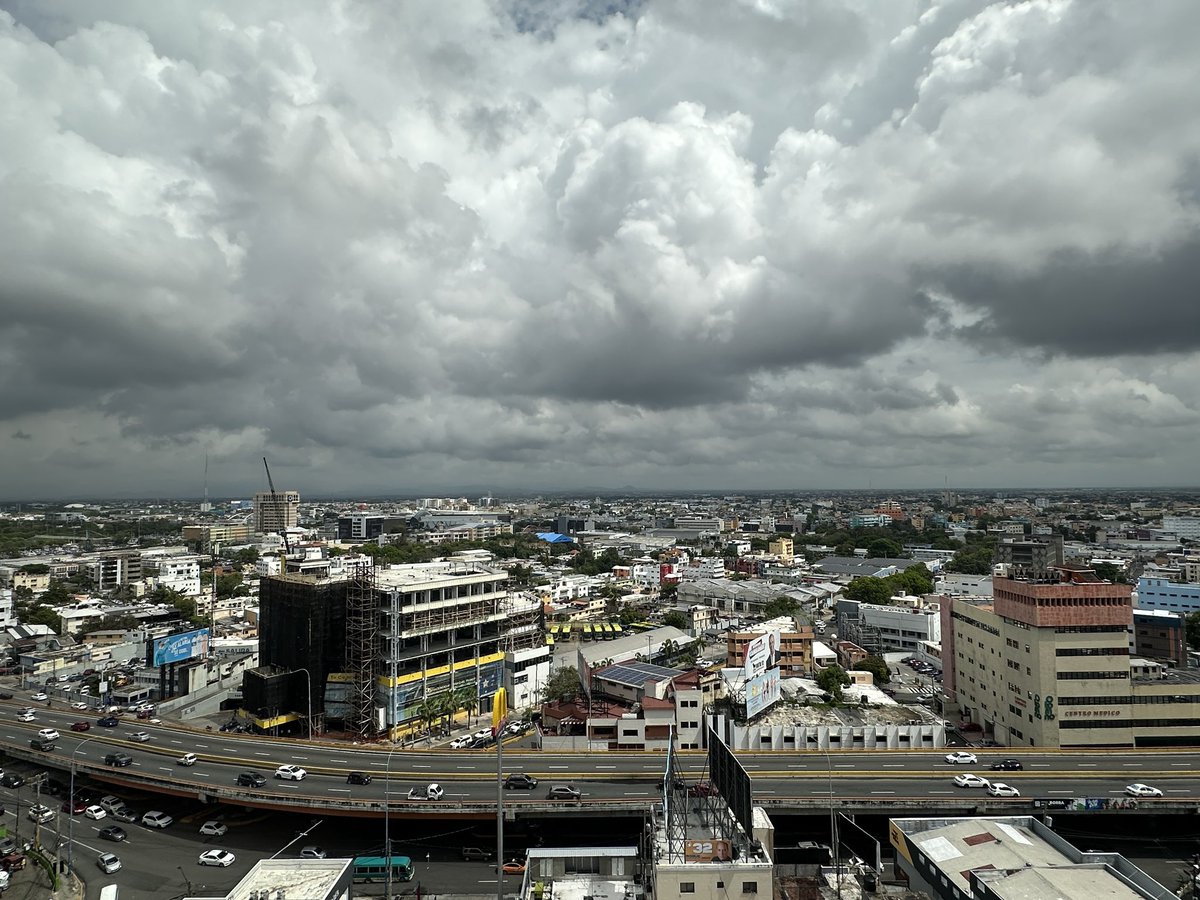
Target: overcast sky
[547,244]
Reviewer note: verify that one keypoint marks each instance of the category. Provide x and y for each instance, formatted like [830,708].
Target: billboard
[758,656]
[177,647]
[762,692]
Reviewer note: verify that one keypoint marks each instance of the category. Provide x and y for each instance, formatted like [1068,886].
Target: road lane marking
[882,792]
[340,790]
[304,758]
[177,742]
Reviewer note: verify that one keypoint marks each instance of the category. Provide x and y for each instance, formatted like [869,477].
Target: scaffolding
[362,658]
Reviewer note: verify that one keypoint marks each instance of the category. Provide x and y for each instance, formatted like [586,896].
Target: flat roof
[635,674]
[294,879]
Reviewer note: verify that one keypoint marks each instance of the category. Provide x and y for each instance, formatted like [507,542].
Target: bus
[375,868]
[641,626]
[549,640]
[607,631]
[587,632]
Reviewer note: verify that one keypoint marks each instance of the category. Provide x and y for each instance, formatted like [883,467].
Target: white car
[962,757]
[48,734]
[140,736]
[156,818]
[213,828]
[79,704]
[40,695]
[290,773]
[1000,789]
[95,812]
[108,863]
[1142,790]
[312,851]
[966,779]
[26,716]
[216,858]
[460,743]
[482,733]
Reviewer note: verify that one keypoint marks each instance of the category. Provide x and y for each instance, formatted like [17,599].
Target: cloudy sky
[546,244]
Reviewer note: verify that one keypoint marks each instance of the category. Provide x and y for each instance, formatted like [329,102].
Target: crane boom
[287,549]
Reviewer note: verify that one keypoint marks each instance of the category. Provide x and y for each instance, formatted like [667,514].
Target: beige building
[205,537]
[39,583]
[275,512]
[782,548]
[1046,663]
[793,645]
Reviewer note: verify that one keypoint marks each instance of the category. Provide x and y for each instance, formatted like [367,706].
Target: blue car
[108,722]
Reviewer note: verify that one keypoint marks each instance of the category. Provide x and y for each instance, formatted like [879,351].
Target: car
[5,695]
[40,696]
[251,779]
[477,853]
[140,736]
[11,780]
[216,858]
[516,727]
[118,760]
[514,867]
[520,781]
[290,773]
[462,742]
[312,851]
[429,792]
[42,744]
[108,722]
[188,759]
[75,808]
[156,818]
[967,780]
[564,792]
[358,778]
[482,733]
[702,789]
[95,812]
[108,863]
[81,726]
[26,716]
[124,814]
[1005,765]
[213,828]
[1000,789]
[113,833]
[962,757]
[40,813]
[1142,790]
[49,734]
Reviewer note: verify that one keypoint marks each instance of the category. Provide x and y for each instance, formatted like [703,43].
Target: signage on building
[1091,713]
[707,851]
[762,692]
[177,647]
[758,656]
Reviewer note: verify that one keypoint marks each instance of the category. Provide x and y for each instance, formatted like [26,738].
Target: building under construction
[377,642]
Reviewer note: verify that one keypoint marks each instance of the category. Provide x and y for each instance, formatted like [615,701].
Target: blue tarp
[553,537]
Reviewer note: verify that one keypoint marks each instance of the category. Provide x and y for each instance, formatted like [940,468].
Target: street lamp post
[387,820]
[71,807]
[308,682]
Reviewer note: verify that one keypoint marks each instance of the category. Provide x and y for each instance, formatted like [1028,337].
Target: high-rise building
[275,512]
[1047,663]
[1030,557]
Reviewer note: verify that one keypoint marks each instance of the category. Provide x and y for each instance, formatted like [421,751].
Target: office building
[1047,663]
[109,571]
[1032,556]
[1172,596]
[1161,635]
[275,512]
[367,526]
[206,538]
[1185,527]
[791,643]
[905,624]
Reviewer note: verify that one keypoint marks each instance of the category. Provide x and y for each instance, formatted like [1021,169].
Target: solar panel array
[635,674]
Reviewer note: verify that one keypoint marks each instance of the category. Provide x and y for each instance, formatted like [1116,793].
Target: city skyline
[785,247]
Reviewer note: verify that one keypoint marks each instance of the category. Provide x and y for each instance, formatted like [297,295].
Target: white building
[526,672]
[702,567]
[957,584]
[180,573]
[570,587]
[1182,526]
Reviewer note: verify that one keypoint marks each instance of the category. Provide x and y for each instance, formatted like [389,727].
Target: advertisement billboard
[177,647]
[761,692]
[758,656]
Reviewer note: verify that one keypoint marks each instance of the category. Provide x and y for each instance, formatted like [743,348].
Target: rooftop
[291,879]
[634,674]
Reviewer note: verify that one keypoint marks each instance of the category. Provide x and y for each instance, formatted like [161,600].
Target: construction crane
[287,547]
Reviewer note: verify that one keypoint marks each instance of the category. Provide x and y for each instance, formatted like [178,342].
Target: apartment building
[206,537]
[111,570]
[783,548]
[1047,663]
[180,573]
[275,512]
[1172,596]
[792,643]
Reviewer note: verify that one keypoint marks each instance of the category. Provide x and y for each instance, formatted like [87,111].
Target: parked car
[113,833]
[312,851]
[213,828]
[95,812]
[564,792]
[358,778]
[216,858]
[1142,790]
[290,773]
[462,742]
[75,808]
[962,757]
[11,780]
[477,853]
[1007,765]
[1000,789]
[520,781]
[157,819]
[124,814]
[108,863]
[251,779]
[514,867]
[40,696]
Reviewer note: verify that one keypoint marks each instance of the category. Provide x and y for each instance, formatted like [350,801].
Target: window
[687,887]
[749,887]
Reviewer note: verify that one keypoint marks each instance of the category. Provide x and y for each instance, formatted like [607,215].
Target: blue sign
[177,647]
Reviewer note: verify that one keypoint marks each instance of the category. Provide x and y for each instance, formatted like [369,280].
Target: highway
[468,777]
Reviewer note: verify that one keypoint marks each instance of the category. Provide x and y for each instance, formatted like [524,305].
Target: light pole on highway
[308,682]
[71,807]
[833,835]
[387,820]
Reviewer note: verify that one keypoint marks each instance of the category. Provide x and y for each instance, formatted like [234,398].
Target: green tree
[227,584]
[668,591]
[780,606]
[869,590]
[973,559]
[563,685]
[427,712]
[877,666]
[35,569]
[56,594]
[466,698]
[44,615]
[676,619]
[22,595]
[1110,572]
[831,680]
[1192,630]
[914,580]
[884,548]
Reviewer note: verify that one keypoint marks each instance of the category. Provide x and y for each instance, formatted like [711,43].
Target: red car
[81,726]
[702,789]
[79,807]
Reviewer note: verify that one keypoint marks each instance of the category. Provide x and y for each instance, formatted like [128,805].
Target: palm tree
[447,705]
[467,697]
[427,711]
[669,648]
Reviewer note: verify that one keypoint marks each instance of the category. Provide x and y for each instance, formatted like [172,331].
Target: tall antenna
[205,506]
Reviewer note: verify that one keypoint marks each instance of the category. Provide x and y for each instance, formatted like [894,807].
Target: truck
[429,792]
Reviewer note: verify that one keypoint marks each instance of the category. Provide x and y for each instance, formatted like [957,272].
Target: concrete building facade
[274,513]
